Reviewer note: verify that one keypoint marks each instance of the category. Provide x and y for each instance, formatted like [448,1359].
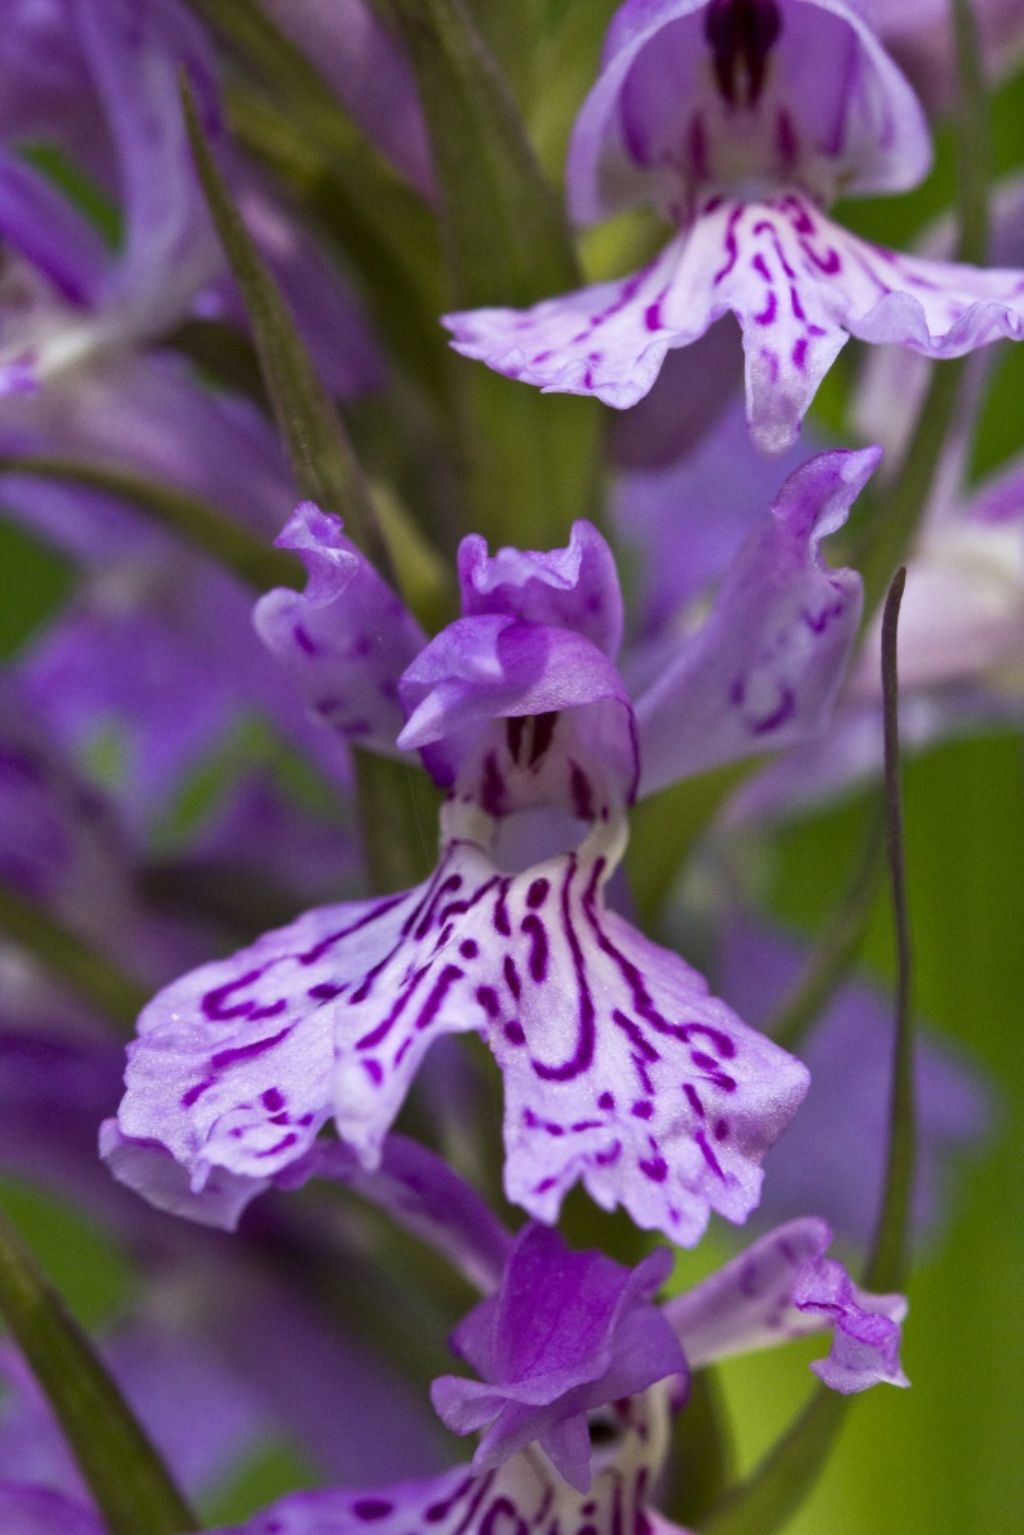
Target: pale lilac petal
[865,1328]
[765,668]
[799,285]
[783,1287]
[572,588]
[655,124]
[748,1304]
[346,639]
[565,1334]
[238,1065]
[609,340]
[28,1510]
[360,59]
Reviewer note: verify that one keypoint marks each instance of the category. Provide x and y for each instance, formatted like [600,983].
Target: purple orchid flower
[565,1330]
[65,299]
[741,120]
[620,1070]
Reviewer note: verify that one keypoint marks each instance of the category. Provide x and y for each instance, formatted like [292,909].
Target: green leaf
[94,976]
[189,517]
[126,1477]
[530,461]
[322,459]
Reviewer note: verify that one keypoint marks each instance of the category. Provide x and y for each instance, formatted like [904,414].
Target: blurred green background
[945,1456]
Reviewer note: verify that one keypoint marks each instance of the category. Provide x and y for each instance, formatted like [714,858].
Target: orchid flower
[742,120]
[620,1070]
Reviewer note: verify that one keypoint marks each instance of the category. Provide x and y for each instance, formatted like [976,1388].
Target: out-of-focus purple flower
[371,77]
[201,1418]
[29,1510]
[919,34]
[833,1158]
[620,1070]
[64,298]
[683,524]
[741,122]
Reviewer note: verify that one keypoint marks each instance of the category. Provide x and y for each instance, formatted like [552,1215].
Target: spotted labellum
[741,120]
[621,1070]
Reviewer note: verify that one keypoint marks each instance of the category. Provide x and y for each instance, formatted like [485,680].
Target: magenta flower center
[742,33]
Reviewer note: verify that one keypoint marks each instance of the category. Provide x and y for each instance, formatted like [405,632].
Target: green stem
[776,1488]
[887,1263]
[128,1480]
[90,974]
[833,955]
[188,517]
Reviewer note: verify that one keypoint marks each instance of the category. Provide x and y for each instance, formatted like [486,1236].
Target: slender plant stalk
[188,517]
[774,1491]
[888,1261]
[128,1480]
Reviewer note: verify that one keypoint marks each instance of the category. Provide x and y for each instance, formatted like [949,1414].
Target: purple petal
[483,670]
[346,639]
[765,668]
[38,223]
[866,1328]
[706,504]
[566,1333]
[572,588]
[135,50]
[656,123]
[197,1413]
[783,1287]
[238,1065]
[27,1510]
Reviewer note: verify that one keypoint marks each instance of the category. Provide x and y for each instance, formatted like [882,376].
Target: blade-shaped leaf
[322,459]
[188,517]
[530,461]
[126,1477]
